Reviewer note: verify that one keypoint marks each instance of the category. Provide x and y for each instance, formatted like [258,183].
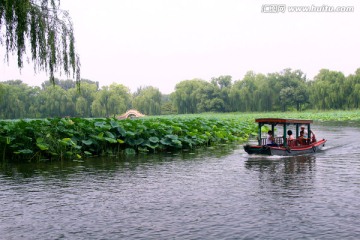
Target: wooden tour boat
[282,145]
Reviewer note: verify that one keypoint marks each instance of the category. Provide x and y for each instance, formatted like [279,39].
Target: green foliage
[331,90]
[73,138]
[65,138]
[185,97]
[147,100]
[285,91]
[111,101]
[49,31]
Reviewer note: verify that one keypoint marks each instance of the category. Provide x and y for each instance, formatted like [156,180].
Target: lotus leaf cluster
[74,138]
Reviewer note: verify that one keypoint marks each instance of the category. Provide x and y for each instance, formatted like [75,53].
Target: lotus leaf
[87,142]
[110,140]
[24,151]
[154,139]
[130,151]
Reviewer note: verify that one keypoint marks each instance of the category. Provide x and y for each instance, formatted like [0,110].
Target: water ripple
[213,194]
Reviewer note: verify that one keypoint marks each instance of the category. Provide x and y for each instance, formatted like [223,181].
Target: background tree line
[18,100]
[280,91]
[287,90]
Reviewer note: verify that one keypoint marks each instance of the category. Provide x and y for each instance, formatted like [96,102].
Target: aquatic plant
[74,138]
[71,138]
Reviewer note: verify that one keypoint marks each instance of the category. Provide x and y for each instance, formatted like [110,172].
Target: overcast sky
[162,42]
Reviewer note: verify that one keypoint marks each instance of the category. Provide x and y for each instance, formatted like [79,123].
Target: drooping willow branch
[46,29]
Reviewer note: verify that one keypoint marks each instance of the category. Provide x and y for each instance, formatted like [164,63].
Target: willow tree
[44,28]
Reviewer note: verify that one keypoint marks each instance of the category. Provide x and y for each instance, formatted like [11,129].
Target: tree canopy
[287,90]
[44,28]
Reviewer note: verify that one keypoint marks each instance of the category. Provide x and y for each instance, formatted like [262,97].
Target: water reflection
[282,175]
[212,193]
[61,169]
[288,165]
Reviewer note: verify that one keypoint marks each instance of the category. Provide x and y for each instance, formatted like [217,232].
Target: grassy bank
[321,116]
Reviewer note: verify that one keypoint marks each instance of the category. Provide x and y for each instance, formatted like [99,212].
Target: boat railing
[278,140]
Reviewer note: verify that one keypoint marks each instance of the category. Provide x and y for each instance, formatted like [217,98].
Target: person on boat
[290,139]
[270,140]
[302,140]
[303,129]
[312,134]
[313,137]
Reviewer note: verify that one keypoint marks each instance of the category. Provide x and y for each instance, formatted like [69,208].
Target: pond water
[219,193]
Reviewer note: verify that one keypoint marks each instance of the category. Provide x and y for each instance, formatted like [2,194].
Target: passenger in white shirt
[270,140]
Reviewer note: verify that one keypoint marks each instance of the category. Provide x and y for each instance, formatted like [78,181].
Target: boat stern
[263,150]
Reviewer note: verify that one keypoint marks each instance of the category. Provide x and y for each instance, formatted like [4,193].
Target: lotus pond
[79,138]
[76,138]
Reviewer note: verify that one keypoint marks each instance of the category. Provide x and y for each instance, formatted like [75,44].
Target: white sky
[162,42]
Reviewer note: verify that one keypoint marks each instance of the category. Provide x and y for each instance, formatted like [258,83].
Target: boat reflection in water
[293,175]
[294,164]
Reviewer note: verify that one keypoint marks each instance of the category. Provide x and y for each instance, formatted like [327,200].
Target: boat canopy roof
[282,121]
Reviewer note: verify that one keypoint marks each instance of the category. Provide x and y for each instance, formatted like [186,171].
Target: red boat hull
[285,151]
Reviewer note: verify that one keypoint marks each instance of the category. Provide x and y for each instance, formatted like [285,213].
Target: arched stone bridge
[132,113]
